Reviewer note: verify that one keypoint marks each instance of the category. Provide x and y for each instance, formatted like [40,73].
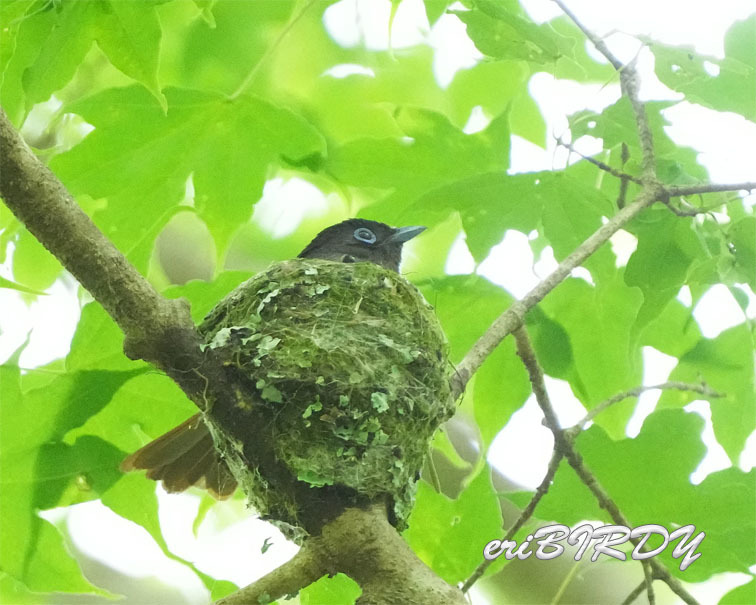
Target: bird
[186,456]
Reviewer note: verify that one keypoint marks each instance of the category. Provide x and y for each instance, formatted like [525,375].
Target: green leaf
[742,235]
[598,321]
[491,203]
[405,170]
[502,31]
[725,363]
[667,247]
[742,595]
[731,89]
[203,295]
[37,469]
[129,34]
[67,40]
[33,265]
[501,388]
[336,590]
[11,285]
[449,535]
[227,146]
[206,10]
[647,477]
[435,8]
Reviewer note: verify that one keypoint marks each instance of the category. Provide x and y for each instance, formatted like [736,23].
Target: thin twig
[635,593]
[564,443]
[512,318]
[703,389]
[678,190]
[599,164]
[595,40]
[629,84]
[566,581]
[270,50]
[526,513]
[648,580]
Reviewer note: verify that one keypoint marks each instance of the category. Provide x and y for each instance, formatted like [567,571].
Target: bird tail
[182,457]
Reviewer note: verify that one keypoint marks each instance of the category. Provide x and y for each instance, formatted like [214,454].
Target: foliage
[151,120]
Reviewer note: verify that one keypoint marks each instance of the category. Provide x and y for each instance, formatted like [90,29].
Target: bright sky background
[522,450]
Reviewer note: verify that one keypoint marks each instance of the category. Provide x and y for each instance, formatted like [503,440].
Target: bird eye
[363,234]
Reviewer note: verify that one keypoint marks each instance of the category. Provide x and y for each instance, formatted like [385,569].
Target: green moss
[351,363]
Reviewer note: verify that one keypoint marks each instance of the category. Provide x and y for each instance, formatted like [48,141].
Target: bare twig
[599,164]
[307,566]
[703,389]
[678,190]
[635,593]
[526,513]
[564,443]
[629,84]
[362,544]
[512,318]
[648,580]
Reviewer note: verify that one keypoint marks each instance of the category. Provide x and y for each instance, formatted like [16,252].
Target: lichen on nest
[350,362]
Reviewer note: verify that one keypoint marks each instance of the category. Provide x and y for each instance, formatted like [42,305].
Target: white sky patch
[477,121]
[656,369]
[343,70]
[285,203]
[94,529]
[623,245]
[52,320]
[523,460]
[717,311]
[510,264]
[716,458]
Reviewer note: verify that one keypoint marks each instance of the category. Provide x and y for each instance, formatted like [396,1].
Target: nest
[349,363]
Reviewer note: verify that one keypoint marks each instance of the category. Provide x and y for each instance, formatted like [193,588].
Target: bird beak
[403,234]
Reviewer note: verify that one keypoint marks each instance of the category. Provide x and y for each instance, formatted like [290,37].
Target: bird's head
[356,240]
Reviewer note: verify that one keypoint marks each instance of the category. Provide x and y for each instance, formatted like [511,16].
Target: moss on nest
[351,363]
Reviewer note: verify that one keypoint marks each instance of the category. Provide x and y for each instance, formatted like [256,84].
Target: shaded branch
[362,544]
[527,512]
[152,324]
[599,164]
[635,593]
[564,444]
[306,567]
[648,580]
[703,389]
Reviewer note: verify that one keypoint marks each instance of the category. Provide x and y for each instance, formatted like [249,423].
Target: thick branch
[564,444]
[153,325]
[306,567]
[362,544]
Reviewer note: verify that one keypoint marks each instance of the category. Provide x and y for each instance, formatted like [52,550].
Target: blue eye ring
[364,235]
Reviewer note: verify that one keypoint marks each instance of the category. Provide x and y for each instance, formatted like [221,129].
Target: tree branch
[513,317]
[564,443]
[678,190]
[599,164]
[678,386]
[636,592]
[152,324]
[362,544]
[527,512]
[303,569]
